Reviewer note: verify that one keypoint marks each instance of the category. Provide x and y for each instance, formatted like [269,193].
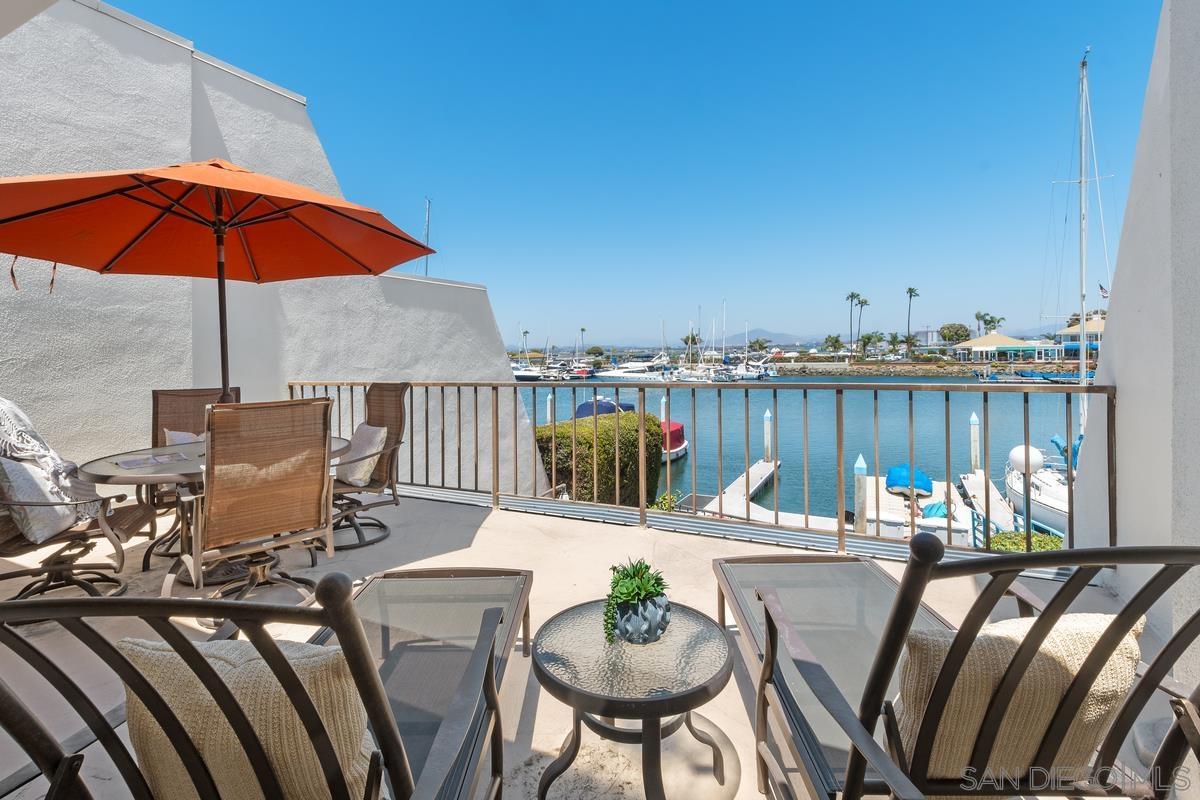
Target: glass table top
[840,609]
[571,649]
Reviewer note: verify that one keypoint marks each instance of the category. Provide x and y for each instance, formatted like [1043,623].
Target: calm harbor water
[1047,416]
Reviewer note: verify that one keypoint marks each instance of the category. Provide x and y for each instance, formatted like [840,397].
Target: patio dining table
[172,464]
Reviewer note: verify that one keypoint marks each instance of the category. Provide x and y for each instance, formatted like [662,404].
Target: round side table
[602,682]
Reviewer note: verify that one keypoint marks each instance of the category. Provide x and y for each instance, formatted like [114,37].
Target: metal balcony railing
[480,437]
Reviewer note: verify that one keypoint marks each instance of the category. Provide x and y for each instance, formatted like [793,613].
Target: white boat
[526,372]
[655,369]
[1047,489]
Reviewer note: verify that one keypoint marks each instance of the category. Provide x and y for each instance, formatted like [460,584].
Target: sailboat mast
[1083,205]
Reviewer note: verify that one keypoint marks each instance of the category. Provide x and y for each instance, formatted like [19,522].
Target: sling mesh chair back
[266,486]
[1072,748]
[180,411]
[384,404]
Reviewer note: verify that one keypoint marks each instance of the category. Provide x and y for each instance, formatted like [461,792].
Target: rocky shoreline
[875,369]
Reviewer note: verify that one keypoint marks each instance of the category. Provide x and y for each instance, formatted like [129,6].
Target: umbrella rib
[172,211]
[163,212]
[172,200]
[249,257]
[322,237]
[70,204]
[270,215]
[373,227]
[242,210]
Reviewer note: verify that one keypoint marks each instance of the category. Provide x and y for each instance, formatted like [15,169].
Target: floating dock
[732,501]
[894,513]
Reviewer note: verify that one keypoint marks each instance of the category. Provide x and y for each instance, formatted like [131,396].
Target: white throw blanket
[21,442]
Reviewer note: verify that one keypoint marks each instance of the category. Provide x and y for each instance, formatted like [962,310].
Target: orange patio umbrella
[207,219]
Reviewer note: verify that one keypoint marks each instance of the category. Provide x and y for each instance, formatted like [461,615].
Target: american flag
[1103,292]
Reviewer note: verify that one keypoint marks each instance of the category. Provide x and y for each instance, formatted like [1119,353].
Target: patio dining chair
[266,487]
[245,715]
[1039,705]
[384,409]
[175,415]
[72,565]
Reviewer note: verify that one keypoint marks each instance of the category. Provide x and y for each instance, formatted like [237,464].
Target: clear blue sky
[611,165]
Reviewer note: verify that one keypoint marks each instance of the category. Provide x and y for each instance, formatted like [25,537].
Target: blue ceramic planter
[643,622]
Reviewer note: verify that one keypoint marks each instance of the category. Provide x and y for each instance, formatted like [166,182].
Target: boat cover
[673,436]
[602,406]
[898,481]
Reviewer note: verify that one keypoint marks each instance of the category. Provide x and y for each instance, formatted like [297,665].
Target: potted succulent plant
[636,609]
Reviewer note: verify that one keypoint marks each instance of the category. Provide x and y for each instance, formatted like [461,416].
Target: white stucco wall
[1152,336]
[87,87]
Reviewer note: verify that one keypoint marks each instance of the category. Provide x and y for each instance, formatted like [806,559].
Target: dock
[732,501]
[894,512]
[976,484]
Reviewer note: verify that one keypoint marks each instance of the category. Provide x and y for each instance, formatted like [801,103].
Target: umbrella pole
[226,395]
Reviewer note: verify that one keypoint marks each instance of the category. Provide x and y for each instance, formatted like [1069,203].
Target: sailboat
[1047,502]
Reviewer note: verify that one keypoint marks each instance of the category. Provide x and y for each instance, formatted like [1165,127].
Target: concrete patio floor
[569,559]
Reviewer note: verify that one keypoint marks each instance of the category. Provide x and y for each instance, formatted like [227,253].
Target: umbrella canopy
[207,219]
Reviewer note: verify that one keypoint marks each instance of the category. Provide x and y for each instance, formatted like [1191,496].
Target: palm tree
[894,341]
[833,343]
[991,323]
[980,316]
[911,292]
[852,298]
[862,303]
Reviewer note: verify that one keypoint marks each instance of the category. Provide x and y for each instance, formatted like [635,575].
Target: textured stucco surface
[1152,339]
[87,87]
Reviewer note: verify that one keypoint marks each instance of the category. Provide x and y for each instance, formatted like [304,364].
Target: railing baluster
[412,448]
[595,449]
[616,448]
[805,423]
[841,472]
[495,447]
[533,456]
[641,470]
[720,457]
[339,408]
[352,408]
[949,507]
[426,394]
[1027,475]
[516,447]
[875,444]
[666,447]
[475,435]
[574,444]
[775,450]
[912,469]
[1110,414]
[746,414]
[554,443]
[458,437]
[442,436]
[1070,476]
[987,477]
[692,455]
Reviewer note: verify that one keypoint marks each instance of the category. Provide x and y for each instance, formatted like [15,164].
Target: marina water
[1047,416]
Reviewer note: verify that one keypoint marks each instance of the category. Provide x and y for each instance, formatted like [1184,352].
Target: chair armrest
[1028,603]
[104,502]
[832,699]
[454,735]
[377,453]
[188,494]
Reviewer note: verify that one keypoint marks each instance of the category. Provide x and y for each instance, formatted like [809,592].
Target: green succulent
[632,581]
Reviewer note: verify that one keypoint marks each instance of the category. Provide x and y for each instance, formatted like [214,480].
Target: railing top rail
[859,386]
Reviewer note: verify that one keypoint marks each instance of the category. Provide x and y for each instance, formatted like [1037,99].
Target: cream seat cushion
[367,439]
[1045,682]
[25,481]
[326,677]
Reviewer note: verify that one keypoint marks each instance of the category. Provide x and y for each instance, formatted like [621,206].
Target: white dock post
[767,423]
[974,443]
[860,466]
[860,494]
[550,407]
[662,408]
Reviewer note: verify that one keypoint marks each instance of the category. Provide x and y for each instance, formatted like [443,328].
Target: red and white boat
[674,442]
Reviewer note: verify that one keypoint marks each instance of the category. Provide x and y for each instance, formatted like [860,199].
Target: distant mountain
[774,337]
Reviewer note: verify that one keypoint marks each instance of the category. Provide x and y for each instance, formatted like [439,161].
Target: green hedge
[606,425]
[1014,542]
